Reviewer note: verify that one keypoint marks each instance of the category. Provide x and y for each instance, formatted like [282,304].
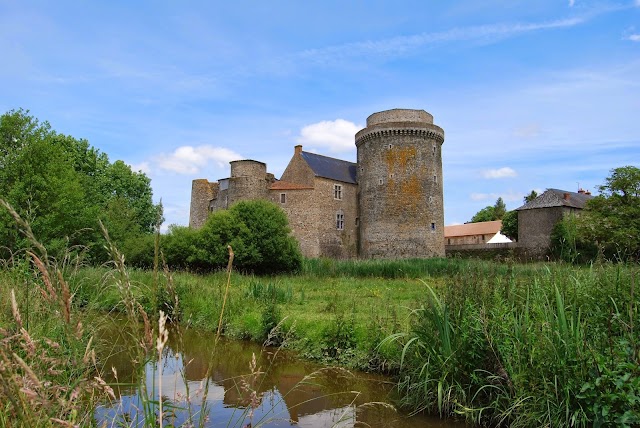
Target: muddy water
[216,385]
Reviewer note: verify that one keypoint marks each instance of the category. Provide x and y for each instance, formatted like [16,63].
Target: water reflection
[214,384]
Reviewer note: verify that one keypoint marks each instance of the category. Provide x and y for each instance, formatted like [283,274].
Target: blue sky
[531,94]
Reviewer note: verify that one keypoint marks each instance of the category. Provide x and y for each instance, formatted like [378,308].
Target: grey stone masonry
[400,185]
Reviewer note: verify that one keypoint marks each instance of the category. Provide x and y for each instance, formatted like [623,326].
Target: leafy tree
[510,225]
[499,209]
[62,185]
[260,236]
[485,214]
[612,219]
[531,196]
[490,213]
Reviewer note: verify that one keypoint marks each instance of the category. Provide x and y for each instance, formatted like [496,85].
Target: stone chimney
[566,196]
[297,149]
[581,191]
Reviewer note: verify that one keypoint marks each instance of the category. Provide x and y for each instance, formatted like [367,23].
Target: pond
[217,385]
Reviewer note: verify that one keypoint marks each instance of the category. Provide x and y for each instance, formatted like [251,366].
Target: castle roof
[473,229]
[287,185]
[334,169]
[558,198]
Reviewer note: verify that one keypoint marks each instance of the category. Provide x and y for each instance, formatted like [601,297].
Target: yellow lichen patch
[412,193]
[398,158]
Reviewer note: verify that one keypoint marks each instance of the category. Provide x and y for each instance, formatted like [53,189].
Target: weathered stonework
[400,181]
[392,209]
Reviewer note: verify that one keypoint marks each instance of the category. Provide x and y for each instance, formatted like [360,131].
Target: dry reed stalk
[163,335]
[226,291]
[50,294]
[14,309]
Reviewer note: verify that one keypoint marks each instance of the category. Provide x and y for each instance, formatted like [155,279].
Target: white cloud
[634,37]
[527,131]
[336,136]
[141,167]
[189,159]
[499,173]
[572,2]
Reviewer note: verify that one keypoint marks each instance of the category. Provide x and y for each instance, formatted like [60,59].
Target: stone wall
[302,213]
[298,171]
[202,192]
[400,180]
[535,227]
[468,240]
[248,181]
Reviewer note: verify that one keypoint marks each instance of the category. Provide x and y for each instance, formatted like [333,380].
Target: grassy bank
[499,343]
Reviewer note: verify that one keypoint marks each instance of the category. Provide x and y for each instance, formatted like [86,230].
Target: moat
[214,383]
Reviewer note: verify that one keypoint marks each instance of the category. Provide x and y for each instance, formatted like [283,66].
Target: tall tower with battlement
[400,191]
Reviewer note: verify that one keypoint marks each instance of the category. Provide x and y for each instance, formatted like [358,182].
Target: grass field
[499,343]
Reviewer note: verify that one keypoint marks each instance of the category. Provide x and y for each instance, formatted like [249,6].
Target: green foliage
[62,186]
[485,214]
[612,219]
[510,225]
[257,231]
[491,212]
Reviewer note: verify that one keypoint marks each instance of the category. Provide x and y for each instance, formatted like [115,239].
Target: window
[435,178]
[357,221]
[283,198]
[430,199]
[381,182]
[433,227]
[390,146]
[337,191]
[434,149]
[340,221]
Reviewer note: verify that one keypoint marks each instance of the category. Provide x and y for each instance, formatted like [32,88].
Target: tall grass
[556,348]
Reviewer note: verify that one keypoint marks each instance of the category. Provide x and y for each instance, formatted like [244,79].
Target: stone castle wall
[395,210]
[400,181]
[202,191]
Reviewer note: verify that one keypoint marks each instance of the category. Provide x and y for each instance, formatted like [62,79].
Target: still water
[216,385]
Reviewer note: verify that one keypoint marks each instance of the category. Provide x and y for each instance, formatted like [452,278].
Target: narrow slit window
[283,198]
[433,227]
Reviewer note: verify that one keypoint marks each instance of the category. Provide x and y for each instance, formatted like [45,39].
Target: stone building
[484,232]
[537,218]
[388,205]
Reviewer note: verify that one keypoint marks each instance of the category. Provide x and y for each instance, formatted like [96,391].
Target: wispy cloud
[336,136]
[399,45]
[504,172]
[189,159]
[572,3]
[634,37]
[508,197]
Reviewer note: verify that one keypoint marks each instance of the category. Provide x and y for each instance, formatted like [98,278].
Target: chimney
[298,149]
[587,192]
[581,191]
[566,196]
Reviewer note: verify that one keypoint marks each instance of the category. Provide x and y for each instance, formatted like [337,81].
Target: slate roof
[473,229]
[334,169]
[557,198]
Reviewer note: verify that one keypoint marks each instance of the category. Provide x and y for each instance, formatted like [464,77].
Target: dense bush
[257,231]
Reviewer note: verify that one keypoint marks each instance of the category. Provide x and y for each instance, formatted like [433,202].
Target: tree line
[62,186]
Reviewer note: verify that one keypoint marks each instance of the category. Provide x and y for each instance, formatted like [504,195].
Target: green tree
[510,225]
[499,209]
[611,220]
[531,196]
[62,185]
[259,234]
[491,212]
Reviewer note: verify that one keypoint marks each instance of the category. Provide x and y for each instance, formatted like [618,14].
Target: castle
[387,205]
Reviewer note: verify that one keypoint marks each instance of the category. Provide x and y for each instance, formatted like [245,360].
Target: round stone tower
[248,181]
[400,185]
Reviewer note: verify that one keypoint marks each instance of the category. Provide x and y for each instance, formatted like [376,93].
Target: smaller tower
[249,180]
[202,192]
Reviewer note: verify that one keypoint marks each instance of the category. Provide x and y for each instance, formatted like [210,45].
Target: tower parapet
[400,185]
